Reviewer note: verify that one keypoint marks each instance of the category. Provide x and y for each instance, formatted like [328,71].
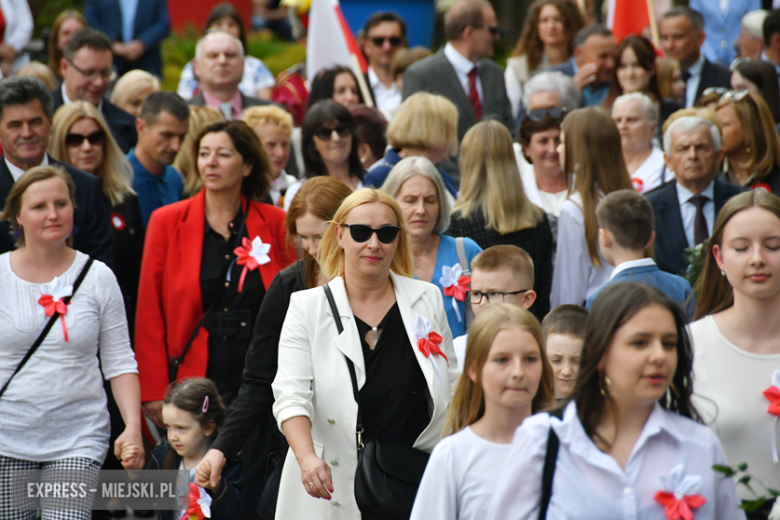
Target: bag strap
[548,473]
[464,265]
[350,365]
[49,325]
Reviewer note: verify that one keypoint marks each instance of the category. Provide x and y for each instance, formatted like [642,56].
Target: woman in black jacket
[307,219]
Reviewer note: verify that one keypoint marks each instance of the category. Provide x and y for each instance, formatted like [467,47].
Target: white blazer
[313,381]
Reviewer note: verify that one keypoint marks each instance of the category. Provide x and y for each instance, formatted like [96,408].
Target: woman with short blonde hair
[493,209]
[132,89]
[425,125]
[200,117]
[274,126]
[401,391]
[266,114]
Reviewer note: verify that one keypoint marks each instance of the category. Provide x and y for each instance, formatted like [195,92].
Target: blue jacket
[675,287]
[152,24]
[722,29]
[376,177]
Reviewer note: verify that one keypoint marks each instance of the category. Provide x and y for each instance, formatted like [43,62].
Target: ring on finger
[311,485]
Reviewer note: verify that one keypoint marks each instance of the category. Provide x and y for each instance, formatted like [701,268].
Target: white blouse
[575,277]
[590,484]
[55,407]
[460,478]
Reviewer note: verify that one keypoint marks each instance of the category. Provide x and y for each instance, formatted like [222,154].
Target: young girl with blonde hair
[507,378]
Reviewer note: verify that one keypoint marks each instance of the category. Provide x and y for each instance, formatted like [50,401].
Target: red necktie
[474,93]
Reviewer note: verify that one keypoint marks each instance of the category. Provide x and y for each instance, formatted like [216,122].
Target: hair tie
[205,405]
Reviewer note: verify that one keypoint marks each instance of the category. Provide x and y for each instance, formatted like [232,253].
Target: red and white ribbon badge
[52,294]
[773,394]
[679,494]
[118,222]
[200,504]
[428,342]
[251,255]
[455,285]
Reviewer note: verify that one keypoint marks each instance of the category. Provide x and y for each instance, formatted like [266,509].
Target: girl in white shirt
[628,447]
[737,335]
[507,378]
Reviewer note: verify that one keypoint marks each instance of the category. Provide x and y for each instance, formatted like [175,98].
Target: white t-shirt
[728,386]
[648,176]
[459,344]
[460,478]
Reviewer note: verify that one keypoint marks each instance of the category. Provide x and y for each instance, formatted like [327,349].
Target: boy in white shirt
[498,274]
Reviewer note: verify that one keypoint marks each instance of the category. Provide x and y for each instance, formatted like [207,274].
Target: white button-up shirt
[688,209]
[17,172]
[386,98]
[590,484]
[462,66]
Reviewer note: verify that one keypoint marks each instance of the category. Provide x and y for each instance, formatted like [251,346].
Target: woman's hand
[316,477]
[209,470]
[153,410]
[129,448]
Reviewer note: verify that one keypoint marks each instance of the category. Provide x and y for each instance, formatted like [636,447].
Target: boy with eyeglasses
[502,273]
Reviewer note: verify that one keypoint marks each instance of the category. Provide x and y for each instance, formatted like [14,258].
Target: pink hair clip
[205,405]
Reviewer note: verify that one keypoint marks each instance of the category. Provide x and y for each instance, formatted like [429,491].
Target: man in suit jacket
[592,64]
[771,36]
[722,27]
[462,71]
[685,209]
[87,74]
[384,33]
[25,129]
[682,36]
[136,29]
[219,63]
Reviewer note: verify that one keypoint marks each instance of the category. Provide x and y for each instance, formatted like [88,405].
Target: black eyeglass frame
[486,295]
[110,76]
[385,234]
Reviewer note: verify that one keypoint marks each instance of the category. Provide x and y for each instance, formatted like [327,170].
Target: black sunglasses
[538,114]
[494,29]
[95,139]
[326,133]
[395,41]
[362,233]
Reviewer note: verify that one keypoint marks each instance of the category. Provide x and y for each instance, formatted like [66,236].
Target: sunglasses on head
[95,139]
[538,114]
[362,233]
[734,96]
[327,133]
[395,41]
[714,90]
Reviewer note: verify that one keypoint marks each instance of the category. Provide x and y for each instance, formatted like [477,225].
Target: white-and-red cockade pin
[52,294]
[455,285]
[118,222]
[679,494]
[251,255]
[428,342]
[200,504]
[773,394]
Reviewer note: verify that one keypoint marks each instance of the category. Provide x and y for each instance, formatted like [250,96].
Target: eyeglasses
[733,96]
[362,233]
[494,29]
[538,114]
[395,41]
[106,74]
[714,90]
[95,139]
[492,296]
[327,133]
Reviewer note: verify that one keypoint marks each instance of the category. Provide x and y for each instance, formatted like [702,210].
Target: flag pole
[357,69]
[653,25]
[581,5]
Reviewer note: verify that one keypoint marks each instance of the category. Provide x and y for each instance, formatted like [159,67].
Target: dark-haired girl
[193,413]
[628,444]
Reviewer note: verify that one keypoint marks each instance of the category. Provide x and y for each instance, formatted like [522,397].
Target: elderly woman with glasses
[395,351]
[750,142]
[418,188]
[330,147]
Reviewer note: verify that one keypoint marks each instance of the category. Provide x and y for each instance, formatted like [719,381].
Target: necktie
[474,93]
[227,111]
[686,75]
[700,232]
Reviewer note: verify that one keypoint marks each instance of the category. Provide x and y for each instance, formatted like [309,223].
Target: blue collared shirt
[592,97]
[128,8]
[692,85]
[154,191]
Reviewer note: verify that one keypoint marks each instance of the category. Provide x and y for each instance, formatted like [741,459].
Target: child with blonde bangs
[507,378]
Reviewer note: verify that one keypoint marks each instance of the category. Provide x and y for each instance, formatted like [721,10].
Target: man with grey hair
[685,209]
[26,108]
[219,64]
[636,117]
[682,37]
[750,43]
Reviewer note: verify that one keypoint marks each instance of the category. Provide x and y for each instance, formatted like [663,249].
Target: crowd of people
[541,291]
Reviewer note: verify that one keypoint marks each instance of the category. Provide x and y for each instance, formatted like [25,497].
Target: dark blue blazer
[121,124]
[670,241]
[567,67]
[91,217]
[675,287]
[152,24]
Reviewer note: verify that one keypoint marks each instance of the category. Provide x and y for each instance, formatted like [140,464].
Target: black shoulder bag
[388,474]
[49,325]
[548,473]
